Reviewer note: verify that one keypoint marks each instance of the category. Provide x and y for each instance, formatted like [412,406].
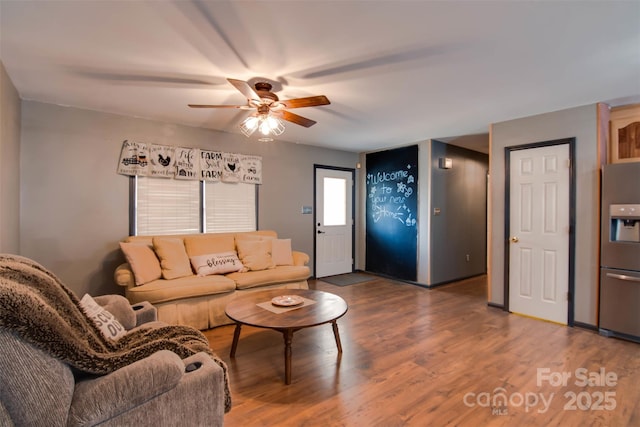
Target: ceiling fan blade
[245,89]
[311,101]
[242,107]
[299,120]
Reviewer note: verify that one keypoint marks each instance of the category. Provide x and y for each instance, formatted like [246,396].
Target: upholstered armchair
[37,389]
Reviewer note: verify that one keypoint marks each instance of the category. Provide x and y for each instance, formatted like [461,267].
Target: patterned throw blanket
[36,306]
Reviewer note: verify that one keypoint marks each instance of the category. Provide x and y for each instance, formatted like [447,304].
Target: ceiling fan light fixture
[275,124]
[265,123]
[249,125]
[264,128]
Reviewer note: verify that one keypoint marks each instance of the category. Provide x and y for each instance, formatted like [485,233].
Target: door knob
[320,232]
[515,239]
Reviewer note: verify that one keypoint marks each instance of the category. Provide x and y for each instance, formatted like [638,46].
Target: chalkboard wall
[391,212]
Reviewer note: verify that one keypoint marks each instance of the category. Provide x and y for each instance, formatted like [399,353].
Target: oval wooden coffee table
[255,309]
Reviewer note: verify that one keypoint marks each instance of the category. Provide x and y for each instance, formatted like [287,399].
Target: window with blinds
[229,207]
[172,206]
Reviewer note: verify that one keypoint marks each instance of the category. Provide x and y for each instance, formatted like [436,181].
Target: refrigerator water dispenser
[625,223]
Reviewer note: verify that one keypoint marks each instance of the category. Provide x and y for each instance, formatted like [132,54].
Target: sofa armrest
[120,308]
[201,380]
[123,276]
[300,258]
[102,398]
[145,312]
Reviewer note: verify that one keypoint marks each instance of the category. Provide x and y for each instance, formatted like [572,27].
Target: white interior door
[539,232]
[334,222]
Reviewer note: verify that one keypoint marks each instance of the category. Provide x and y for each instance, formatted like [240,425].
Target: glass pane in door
[335,200]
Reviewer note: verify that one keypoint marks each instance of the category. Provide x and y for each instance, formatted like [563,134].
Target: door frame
[572,217]
[353,211]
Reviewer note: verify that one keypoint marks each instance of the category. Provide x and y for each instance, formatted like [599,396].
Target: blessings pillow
[105,321]
[220,263]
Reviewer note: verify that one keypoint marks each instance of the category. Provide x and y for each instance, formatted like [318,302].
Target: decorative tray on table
[287,300]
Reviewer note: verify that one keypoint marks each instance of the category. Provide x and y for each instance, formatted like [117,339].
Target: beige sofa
[162,271]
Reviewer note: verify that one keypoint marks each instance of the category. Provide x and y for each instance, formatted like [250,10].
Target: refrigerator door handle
[623,277]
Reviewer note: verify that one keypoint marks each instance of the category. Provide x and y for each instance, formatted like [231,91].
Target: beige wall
[75,205]
[581,123]
[9,165]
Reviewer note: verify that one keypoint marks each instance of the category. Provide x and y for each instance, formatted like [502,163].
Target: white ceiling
[396,72]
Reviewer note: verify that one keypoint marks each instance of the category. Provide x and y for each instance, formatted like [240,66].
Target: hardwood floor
[416,357]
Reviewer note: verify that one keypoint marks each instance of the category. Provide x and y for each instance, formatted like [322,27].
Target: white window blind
[171,206]
[230,207]
[167,206]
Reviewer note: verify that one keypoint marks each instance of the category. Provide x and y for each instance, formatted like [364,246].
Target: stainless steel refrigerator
[620,251]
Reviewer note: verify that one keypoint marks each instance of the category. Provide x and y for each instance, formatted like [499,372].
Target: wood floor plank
[414,356]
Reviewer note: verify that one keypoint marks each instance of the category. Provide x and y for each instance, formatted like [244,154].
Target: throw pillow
[221,263]
[173,257]
[255,254]
[105,321]
[209,243]
[281,251]
[143,261]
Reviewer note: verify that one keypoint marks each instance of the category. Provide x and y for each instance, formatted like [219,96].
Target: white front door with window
[334,222]
[539,232]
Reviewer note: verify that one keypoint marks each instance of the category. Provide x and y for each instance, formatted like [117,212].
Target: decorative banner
[251,169]
[187,163]
[163,160]
[210,165]
[231,167]
[134,159]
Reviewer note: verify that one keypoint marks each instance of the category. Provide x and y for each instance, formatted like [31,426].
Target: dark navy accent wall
[391,212]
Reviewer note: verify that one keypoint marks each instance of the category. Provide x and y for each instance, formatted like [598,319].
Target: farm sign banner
[134,159]
[162,161]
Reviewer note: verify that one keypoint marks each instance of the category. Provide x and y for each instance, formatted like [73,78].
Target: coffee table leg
[236,336]
[336,334]
[288,337]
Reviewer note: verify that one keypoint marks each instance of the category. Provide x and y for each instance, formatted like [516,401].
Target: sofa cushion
[219,263]
[257,235]
[281,274]
[185,287]
[173,257]
[209,243]
[255,254]
[281,251]
[143,261]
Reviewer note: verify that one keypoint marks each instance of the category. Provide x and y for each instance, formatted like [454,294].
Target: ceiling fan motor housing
[263,89]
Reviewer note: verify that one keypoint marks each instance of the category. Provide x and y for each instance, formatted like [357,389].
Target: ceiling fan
[268,108]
